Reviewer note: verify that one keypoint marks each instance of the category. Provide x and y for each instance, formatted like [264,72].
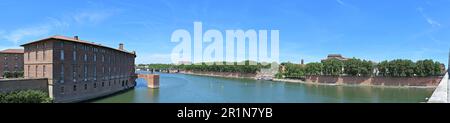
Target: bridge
[442,92]
[152,80]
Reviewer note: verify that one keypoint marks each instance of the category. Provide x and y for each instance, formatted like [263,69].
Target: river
[181,88]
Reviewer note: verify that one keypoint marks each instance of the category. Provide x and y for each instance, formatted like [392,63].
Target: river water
[181,88]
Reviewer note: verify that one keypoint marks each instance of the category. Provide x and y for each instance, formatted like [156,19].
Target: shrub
[27,96]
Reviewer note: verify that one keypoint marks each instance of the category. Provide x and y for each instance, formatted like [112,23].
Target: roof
[13,51]
[58,37]
[334,55]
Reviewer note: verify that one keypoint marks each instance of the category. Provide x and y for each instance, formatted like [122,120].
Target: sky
[309,29]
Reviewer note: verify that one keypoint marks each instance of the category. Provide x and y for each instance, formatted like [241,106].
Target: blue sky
[309,29]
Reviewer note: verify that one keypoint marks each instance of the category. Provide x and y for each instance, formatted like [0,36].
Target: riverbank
[343,84]
[395,82]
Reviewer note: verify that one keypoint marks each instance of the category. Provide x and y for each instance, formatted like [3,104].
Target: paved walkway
[440,95]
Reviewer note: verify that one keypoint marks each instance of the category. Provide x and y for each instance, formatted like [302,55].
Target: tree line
[238,67]
[358,67]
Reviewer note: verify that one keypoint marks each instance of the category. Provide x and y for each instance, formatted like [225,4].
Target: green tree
[332,67]
[313,68]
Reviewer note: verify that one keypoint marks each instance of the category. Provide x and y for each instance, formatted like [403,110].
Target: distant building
[11,60]
[335,56]
[78,70]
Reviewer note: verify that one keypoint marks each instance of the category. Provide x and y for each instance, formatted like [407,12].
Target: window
[95,57]
[62,89]
[29,75]
[103,84]
[95,73]
[85,57]
[36,71]
[36,52]
[62,55]
[74,87]
[85,86]
[74,55]
[85,72]
[62,74]
[43,71]
[43,51]
[74,73]
[95,85]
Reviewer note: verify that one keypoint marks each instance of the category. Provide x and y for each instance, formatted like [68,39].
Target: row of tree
[358,67]
[240,67]
[14,74]
[408,68]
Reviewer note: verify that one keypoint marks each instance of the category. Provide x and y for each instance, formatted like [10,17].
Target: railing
[440,95]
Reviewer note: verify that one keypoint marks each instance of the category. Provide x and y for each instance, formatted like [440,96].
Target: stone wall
[9,85]
[382,81]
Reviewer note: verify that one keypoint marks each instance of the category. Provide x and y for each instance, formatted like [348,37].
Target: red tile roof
[12,51]
[75,40]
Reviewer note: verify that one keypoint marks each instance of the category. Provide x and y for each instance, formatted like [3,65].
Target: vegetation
[358,67]
[28,96]
[407,68]
[332,67]
[294,70]
[313,68]
[242,67]
[14,74]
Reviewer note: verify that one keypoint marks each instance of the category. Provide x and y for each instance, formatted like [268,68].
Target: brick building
[335,56]
[11,60]
[79,70]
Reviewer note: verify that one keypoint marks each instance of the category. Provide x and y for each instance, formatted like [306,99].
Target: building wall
[9,85]
[79,71]
[12,62]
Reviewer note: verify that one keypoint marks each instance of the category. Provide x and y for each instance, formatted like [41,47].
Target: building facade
[79,70]
[11,60]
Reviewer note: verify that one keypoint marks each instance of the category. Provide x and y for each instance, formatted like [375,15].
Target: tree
[313,68]
[383,68]
[332,67]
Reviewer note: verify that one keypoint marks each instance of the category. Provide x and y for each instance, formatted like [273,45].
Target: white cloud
[429,20]
[341,2]
[54,24]
[92,16]
[433,22]
[17,35]
[153,58]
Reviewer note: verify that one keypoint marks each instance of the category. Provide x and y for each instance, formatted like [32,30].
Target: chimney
[75,37]
[121,46]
